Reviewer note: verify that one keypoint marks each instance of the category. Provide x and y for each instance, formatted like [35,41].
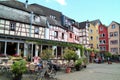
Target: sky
[81,10]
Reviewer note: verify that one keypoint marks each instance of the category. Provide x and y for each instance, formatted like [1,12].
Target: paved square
[94,72]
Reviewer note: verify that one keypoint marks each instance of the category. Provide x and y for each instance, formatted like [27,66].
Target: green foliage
[85,60]
[82,51]
[19,67]
[78,62]
[96,51]
[46,54]
[108,54]
[56,43]
[70,54]
[89,49]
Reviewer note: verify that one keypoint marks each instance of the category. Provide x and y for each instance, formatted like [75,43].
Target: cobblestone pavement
[94,72]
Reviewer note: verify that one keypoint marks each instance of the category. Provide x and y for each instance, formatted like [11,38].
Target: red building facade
[103,38]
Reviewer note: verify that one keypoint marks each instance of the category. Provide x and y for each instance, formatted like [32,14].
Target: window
[100,35]
[62,35]
[56,34]
[103,35]
[97,38]
[36,30]
[52,16]
[77,38]
[113,26]
[115,33]
[97,31]
[97,46]
[114,42]
[111,34]
[91,45]
[103,48]
[114,49]
[37,19]
[91,38]
[70,28]
[12,26]
[70,35]
[91,31]
[102,41]
[101,28]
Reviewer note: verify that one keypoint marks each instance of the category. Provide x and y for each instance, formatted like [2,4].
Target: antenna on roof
[26,3]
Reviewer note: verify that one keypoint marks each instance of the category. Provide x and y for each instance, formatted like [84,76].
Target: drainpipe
[5,48]
[31,20]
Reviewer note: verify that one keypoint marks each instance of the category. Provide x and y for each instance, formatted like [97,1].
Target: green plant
[18,68]
[46,54]
[108,54]
[70,55]
[78,62]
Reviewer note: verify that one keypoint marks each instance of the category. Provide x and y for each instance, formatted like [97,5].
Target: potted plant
[18,68]
[85,62]
[70,55]
[46,54]
[78,64]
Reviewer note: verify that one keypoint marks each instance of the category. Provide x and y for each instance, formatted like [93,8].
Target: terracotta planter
[109,62]
[68,70]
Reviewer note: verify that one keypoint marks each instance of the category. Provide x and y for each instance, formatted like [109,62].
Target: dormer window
[36,30]
[53,17]
[37,19]
[12,26]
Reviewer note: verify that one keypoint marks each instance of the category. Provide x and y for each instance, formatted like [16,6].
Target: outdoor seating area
[36,69]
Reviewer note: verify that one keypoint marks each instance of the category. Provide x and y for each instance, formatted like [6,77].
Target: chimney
[26,4]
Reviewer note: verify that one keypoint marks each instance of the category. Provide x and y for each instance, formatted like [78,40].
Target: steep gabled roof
[95,22]
[115,23]
[82,25]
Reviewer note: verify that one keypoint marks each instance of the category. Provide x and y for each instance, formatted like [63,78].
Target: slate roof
[95,22]
[117,23]
[53,22]
[82,25]
[48,11]
[15,4]
[15,16]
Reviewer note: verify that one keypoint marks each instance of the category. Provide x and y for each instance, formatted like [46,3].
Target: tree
[108,54]
[46,54]
[70,55]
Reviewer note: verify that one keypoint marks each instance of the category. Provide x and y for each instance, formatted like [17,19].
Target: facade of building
[114,38]
[93,34]
[21,25]
[84,35]
[103,39]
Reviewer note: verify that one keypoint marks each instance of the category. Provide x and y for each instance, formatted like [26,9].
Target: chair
[32,67]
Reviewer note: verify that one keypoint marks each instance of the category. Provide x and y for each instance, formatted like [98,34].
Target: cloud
[61,2]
